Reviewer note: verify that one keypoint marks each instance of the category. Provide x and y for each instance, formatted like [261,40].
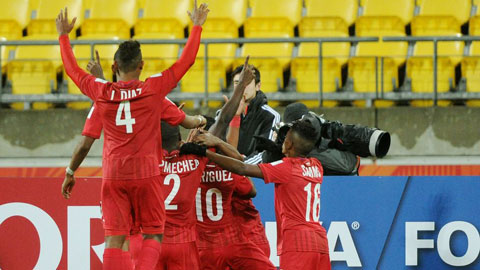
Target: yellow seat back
[345,9]
[14,16]
[399,8]
[47,10]
[288,9]
[459,9]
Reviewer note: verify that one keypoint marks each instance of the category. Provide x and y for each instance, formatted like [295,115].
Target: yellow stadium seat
[110,17]
[305,67]
[305,71]
[235,10]
[34,71]
[400,8]
[288,9]
[157,57]
[194,79]
[163,16]
[471,64]
[83,55]
[220,28]
[362,67]
[450,54]
[324,27]
[43,21]
[14,16]
[459,9]
[345,9]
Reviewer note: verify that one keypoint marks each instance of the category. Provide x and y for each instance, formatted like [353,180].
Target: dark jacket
[259,121]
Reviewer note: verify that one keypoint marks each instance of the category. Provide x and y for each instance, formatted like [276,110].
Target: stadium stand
[34,70]
[471,63]
[420,66]
[110,17]
[365,69]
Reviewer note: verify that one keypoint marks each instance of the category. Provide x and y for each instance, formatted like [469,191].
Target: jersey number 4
[312,212]
[128,121]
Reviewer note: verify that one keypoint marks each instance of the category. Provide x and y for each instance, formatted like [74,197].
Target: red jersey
[297,203]
[130,112]
[170,113]
[248,217]
[182,175]
[215,224]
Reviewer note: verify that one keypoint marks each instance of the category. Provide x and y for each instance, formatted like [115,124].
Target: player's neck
[125,77]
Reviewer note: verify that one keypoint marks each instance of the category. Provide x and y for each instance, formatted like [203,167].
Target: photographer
[338,145]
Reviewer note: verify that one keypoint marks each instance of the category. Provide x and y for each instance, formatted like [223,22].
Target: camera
[359,140]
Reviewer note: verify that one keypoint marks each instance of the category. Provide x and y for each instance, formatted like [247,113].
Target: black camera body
[359,140]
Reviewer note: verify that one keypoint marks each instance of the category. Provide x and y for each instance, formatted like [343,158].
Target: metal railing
[320,96]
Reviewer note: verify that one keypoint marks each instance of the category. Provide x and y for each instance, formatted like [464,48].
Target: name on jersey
[127,93]
[312,171]
[216,176]
[181,166]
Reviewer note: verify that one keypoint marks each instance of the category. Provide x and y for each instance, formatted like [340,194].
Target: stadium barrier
[320,96]
[384,223]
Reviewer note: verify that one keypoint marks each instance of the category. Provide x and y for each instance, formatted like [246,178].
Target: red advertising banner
[41,230]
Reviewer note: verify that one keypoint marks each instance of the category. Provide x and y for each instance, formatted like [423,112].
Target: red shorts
[236,256]
[179,256]
[128,204]
[305,261]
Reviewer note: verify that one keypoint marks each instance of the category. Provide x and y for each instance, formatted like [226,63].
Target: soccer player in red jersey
[248,217]
[131,122]
[302,241]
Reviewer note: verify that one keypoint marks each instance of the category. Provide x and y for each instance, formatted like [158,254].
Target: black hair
[238,70]
[128,55]
[170,136]
[307,134]
[210,121]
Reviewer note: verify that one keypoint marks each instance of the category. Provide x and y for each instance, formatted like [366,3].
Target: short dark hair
[210,121]
[170,136]
[307,134]
[128,55]
[238,70]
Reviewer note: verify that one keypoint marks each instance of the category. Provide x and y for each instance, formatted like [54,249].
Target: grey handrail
[435,40]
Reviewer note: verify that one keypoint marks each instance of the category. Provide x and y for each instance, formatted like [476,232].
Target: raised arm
[234,165]
[228,111]
[209,140]
[189,53]
[80,77]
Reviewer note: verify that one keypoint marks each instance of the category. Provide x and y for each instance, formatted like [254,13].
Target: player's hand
[63,26]
[192,134]
[199,15]
[206,138]
[95,68]
[248,73]
[67,185]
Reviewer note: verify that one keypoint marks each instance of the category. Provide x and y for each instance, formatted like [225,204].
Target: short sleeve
[276,172]
[243,186]
[162,83]
[171,113]
[93,124]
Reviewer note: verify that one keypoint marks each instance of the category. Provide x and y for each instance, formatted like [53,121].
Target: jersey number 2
[312,211]
[171,196]
[128,121]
